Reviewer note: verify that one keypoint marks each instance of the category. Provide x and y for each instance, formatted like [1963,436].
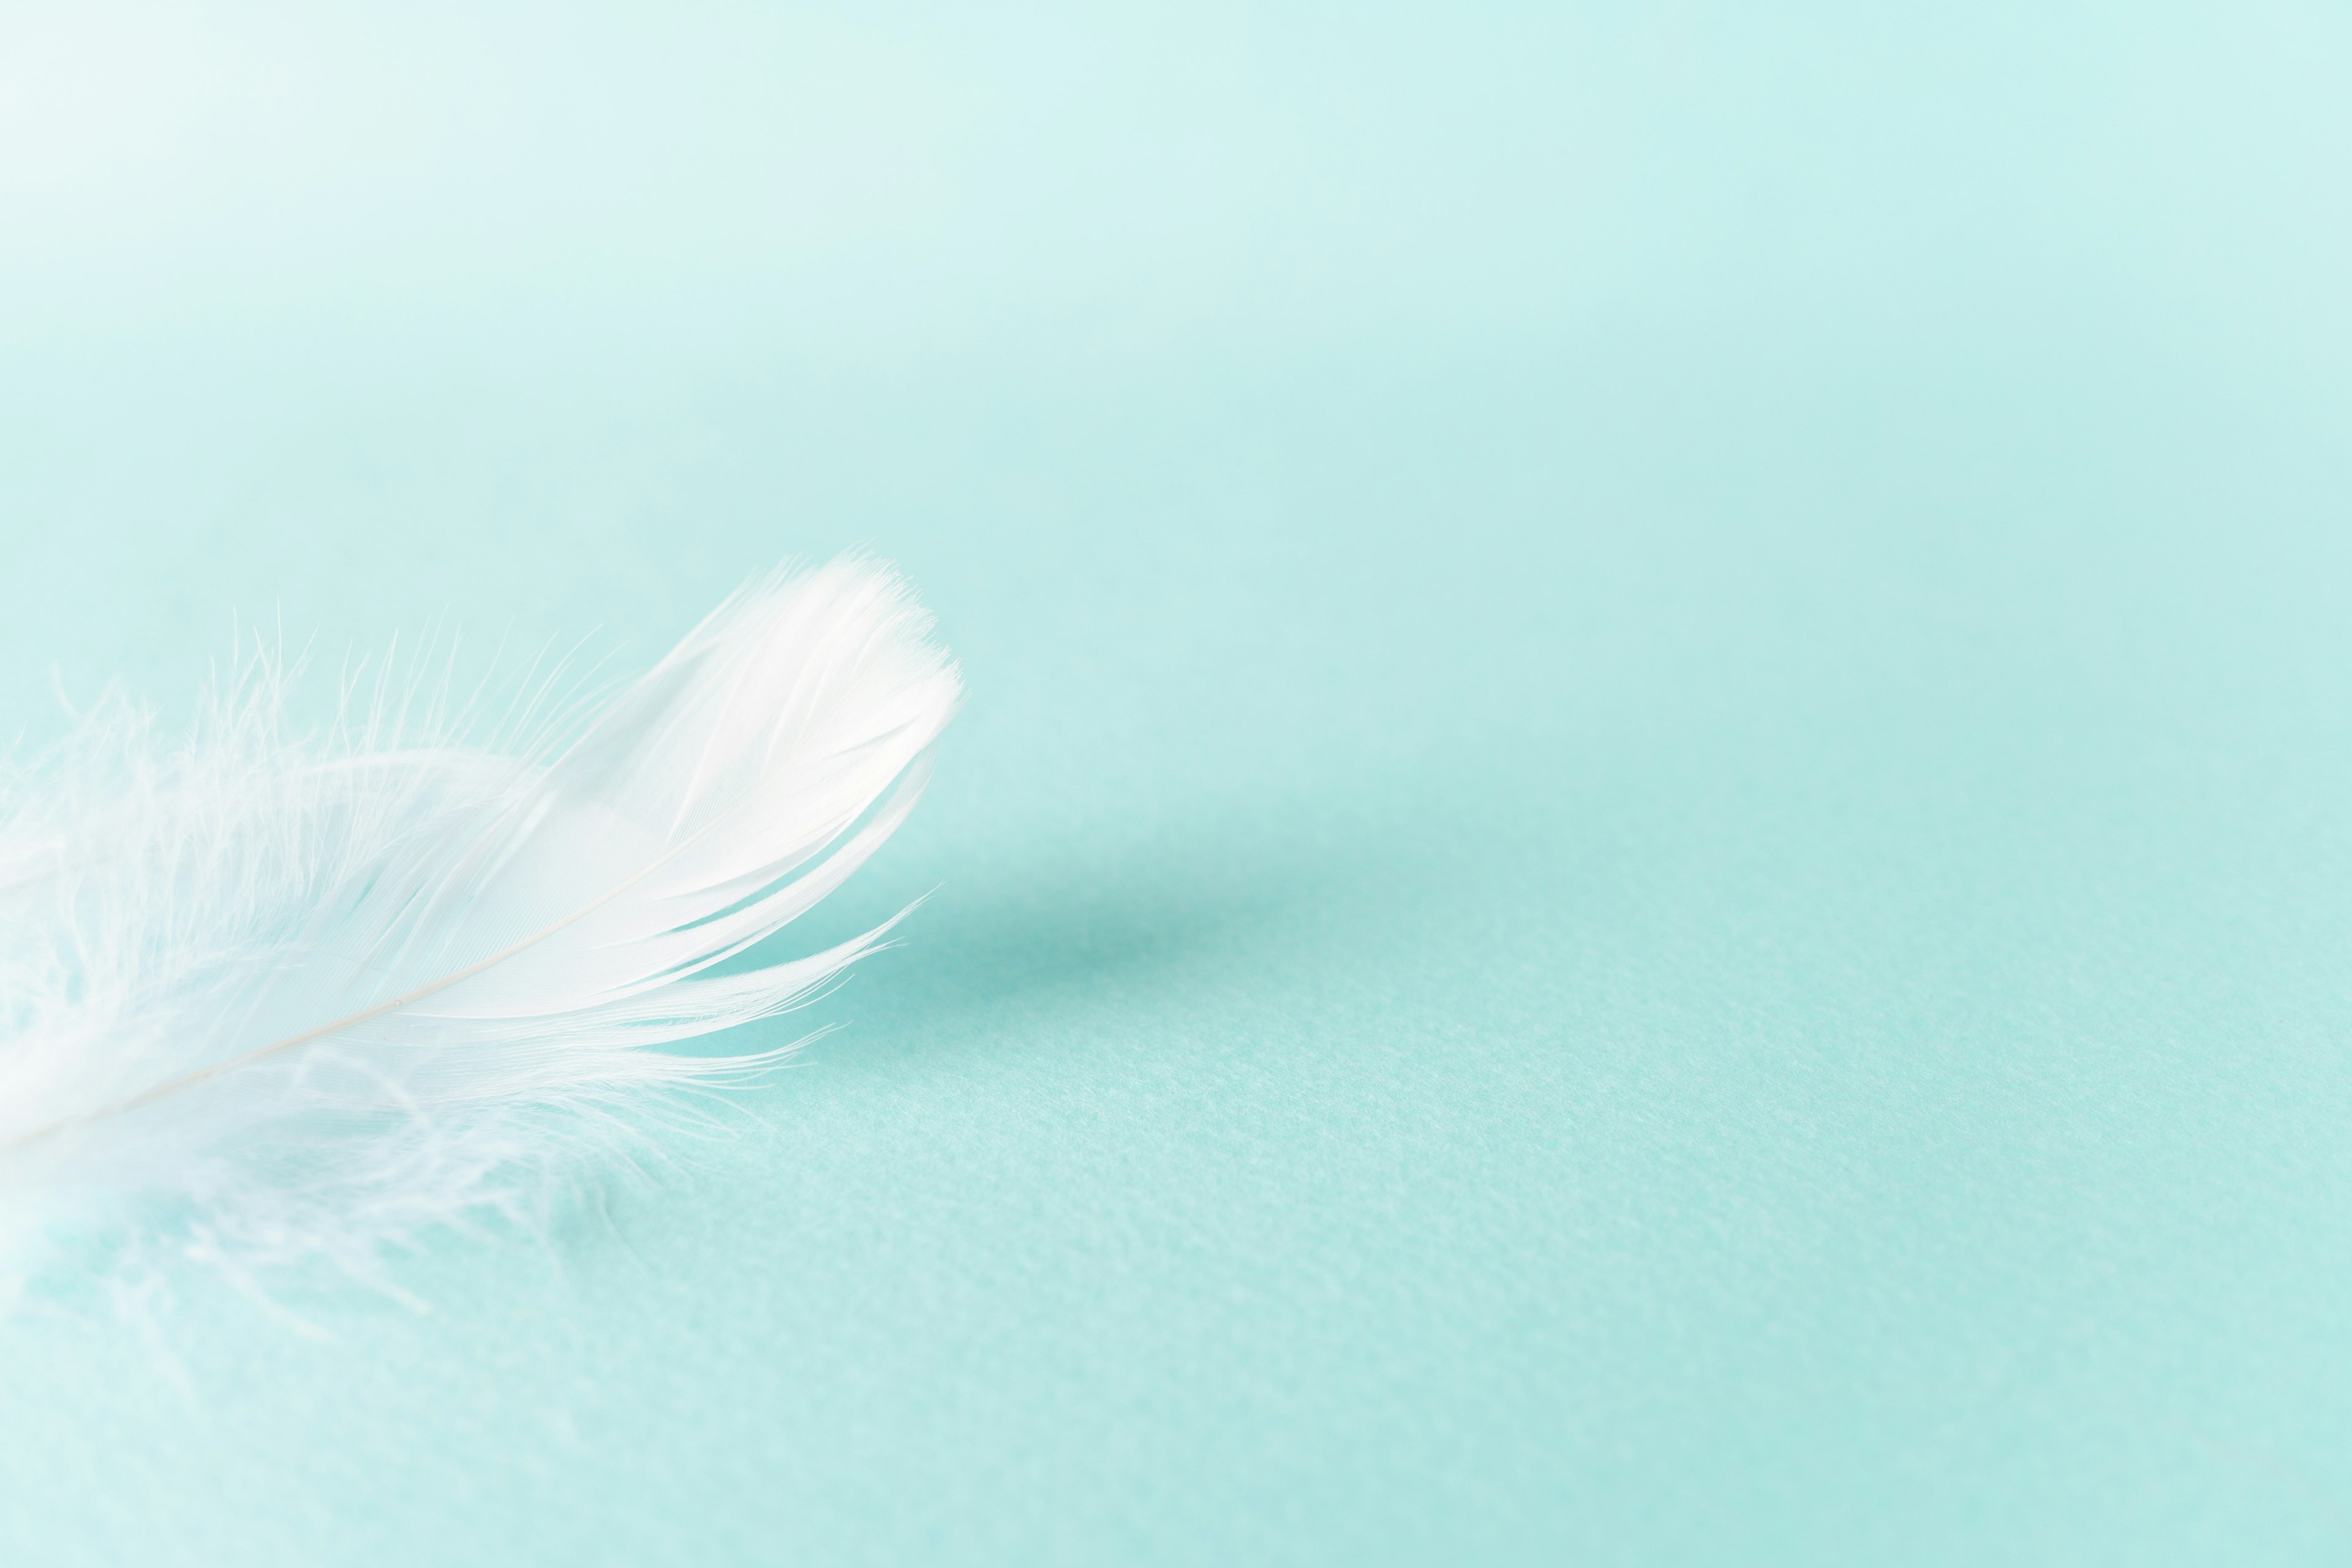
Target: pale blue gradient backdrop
[1651,859]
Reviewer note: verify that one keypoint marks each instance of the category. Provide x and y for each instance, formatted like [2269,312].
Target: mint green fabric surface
[1650,860]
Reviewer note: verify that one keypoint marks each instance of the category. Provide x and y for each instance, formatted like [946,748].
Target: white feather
[265,998]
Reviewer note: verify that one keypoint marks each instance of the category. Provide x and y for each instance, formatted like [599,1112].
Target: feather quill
[268,1000]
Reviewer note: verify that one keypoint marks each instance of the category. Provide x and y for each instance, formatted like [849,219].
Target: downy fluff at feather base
[270,999]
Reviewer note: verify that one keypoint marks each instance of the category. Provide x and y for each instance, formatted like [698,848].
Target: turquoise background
[1651,860]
